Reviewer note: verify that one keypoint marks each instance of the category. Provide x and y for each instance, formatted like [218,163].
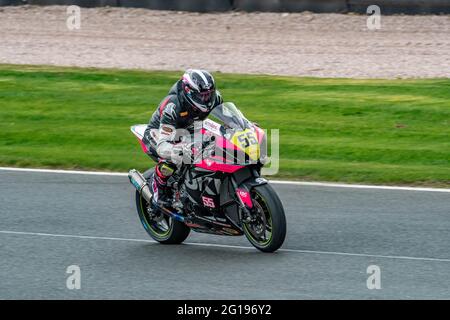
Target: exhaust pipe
[141,185]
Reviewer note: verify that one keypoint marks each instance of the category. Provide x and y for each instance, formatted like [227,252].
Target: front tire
[268,232]
[163,229]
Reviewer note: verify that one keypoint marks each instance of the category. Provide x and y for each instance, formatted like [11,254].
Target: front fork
[244,200]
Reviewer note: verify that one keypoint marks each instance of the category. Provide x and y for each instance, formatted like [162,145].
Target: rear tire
[268,204]
[165,230]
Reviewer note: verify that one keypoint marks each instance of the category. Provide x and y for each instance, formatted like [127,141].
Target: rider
[190,99]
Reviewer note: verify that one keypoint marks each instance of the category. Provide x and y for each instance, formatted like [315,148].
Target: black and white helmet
[199,89]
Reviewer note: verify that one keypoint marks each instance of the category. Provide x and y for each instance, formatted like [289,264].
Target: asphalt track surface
[50,221]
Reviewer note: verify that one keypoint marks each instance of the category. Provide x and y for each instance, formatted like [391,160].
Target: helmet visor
[204,98]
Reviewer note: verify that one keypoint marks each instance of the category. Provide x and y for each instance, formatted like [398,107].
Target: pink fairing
[219,163]
[245,197]
[220,141]
[225,144]
[144,147]
[211,165]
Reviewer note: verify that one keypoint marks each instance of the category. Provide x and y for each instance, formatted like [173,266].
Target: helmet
[199,90]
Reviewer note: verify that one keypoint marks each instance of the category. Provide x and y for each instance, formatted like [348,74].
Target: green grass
[359,131]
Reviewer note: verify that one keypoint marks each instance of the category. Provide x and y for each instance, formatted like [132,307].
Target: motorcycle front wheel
[161,228]
[268,230]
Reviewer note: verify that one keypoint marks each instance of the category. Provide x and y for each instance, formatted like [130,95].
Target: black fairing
[203,183]
[212,196]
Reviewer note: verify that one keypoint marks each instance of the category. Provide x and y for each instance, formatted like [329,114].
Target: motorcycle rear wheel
[163,229]
[268,232]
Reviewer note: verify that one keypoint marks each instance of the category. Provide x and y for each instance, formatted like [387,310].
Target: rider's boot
[161,192]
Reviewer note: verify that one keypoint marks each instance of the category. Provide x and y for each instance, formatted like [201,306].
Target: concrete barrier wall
[81,3]
[10,2]
[291,5]
[180,5]
[402,6]
[387,6]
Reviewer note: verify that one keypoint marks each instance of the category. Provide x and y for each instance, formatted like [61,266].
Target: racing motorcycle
[220,191]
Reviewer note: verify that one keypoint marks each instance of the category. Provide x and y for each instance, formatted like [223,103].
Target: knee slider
[165,169]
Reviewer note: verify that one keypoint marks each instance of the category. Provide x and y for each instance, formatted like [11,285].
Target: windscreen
[229,116]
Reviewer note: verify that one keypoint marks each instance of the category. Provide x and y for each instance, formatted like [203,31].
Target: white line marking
[94,173]
[358,186]
[224,246]
[72,236]
[298,183]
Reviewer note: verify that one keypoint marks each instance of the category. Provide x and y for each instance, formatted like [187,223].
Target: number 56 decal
[247,139]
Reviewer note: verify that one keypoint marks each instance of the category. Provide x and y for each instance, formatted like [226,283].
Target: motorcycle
[220,191]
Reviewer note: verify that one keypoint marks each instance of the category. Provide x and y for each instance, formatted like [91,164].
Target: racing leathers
[163,137]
